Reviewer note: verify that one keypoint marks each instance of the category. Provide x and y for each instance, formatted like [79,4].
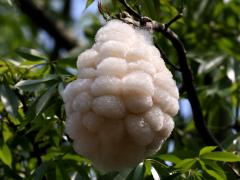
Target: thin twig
[167,25]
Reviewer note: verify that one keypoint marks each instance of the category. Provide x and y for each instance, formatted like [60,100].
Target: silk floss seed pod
[120,108]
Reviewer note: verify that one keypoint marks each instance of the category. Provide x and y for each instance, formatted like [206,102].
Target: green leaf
[185,164]
[211,172]
[42,132]
[32,85]
[9,100]
[210,65]
[148,168]
[202,7]
[207,149]
[160,167]
[122,175]
[150,8]
[32,64]
[69,61]
[43,100]
[89,2]
[9,2]
[30,54]
[221,156]
[155,174]
[139,172]
[41,170]
[5,155]
[60,88]
[84,172]
[229,140]
[61,172]
[7,134]
[74,157]
[169,157]
[216,167]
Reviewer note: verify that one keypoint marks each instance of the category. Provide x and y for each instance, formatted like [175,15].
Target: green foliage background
[32,140]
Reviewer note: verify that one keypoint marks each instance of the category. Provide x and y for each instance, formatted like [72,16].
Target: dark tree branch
[199,121]
[152,25]
[66,16]
[43,20]
[66,9]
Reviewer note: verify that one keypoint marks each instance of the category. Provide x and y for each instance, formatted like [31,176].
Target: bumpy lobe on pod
[120,108]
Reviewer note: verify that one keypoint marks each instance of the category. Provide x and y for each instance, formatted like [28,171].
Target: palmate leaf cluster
[33,144]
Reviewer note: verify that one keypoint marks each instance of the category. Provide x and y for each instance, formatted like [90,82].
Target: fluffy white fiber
[120,108]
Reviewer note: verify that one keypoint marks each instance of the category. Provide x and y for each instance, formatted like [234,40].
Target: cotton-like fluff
[120,108]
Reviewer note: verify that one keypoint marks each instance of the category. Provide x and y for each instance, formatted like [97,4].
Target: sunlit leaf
[32,64]
[210,65]
[185,164]
[31,54]
[221,156]
[75,158]
[160,167]
[9,2]
[200,10]
[169,157]
[89,2]
[148,168]
[207,149]
[33,85]
[5,155]
[7,134]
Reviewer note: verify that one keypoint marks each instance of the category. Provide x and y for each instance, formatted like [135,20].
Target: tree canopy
[40,42]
